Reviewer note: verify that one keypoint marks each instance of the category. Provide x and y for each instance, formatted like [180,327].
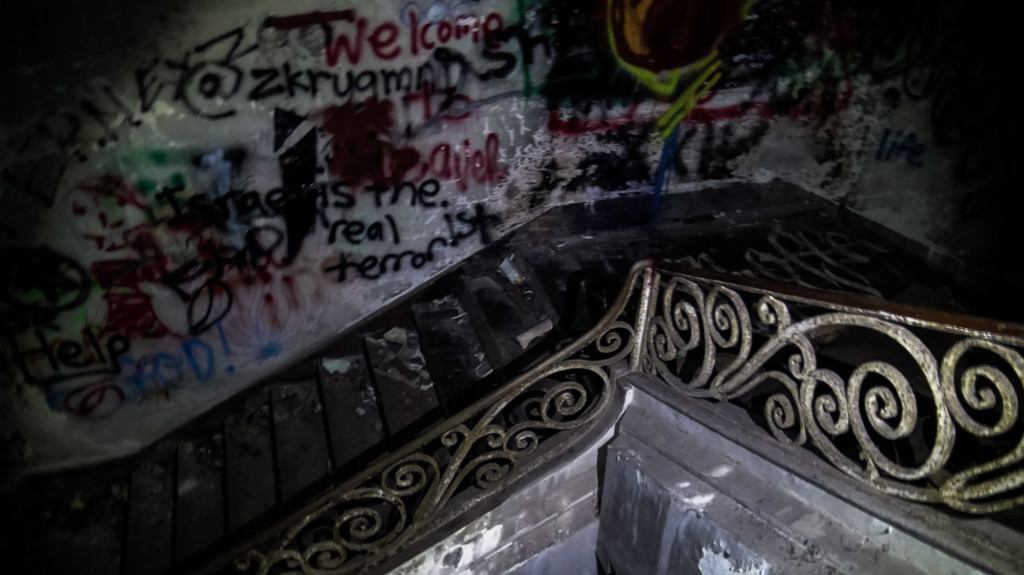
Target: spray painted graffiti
[897,146]
[218,76]
[313,156]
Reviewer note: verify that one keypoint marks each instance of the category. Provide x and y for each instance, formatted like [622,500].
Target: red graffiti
[353,48]
[383,39]
[669,34]
[576,125]
[111,213]
[431,34]
[129,309]
[814,105]
[447,163]
[733,112]
[95,400]
[268,300]
[360,146]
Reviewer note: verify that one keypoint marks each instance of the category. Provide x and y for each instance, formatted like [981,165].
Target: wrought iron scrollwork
[919,427]
[488,446]
[939,424]
[813,259]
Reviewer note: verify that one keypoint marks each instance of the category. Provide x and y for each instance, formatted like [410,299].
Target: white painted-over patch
[715,563]
[187,486]
[811,524]
[720,471]
[335,364]
[699,502]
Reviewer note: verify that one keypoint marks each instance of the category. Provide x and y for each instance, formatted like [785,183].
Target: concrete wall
[684,486]
[558,509]
[195,193]
[715,507]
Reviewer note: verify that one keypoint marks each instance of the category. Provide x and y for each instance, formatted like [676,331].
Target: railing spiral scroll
[925,411]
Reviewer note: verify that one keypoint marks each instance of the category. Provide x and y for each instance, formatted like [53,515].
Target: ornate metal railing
[919,405]
[454,466]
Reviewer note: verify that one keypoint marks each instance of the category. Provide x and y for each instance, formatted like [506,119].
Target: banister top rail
[927,408]
[455,465]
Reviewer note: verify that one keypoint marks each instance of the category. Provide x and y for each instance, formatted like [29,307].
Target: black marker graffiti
[37,284]
[463,226]
[56,360]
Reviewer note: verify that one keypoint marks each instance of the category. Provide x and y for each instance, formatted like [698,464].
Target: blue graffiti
[271,349]
[203,372]
[164,370]
[147,374]
[896,145]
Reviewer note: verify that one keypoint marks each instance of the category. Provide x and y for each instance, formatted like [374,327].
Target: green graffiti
[157,157]
[139,161]
[147,186]
[177,180]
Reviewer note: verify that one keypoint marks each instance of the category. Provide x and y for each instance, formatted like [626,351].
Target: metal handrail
[900,433]
[932,415]
[454,466]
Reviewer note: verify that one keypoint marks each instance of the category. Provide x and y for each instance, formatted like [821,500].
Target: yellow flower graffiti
[671,46]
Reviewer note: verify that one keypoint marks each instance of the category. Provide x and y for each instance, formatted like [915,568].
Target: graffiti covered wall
[193,194]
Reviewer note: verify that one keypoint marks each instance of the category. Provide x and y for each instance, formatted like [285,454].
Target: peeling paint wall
[194,193]
[714,562]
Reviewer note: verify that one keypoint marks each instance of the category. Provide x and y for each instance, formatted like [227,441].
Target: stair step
[149,537]
[403,383]
[508,306]
[350,404]
[249,461]
[300,440]
[448,340]
[199,506]
[581,288]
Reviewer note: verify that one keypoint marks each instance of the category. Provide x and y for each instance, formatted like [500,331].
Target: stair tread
[350,404]
[299,436]
[448,339]
[508,310]
[249,461]
[199,506]
[403,383]
[286,439]
[149,537]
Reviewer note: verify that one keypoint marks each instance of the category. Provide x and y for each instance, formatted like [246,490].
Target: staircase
[366,394]
[237,471]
